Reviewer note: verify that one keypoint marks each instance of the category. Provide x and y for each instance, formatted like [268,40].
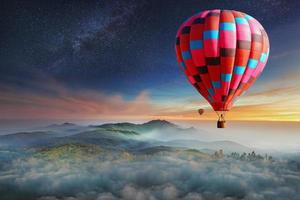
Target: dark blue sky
[122,47]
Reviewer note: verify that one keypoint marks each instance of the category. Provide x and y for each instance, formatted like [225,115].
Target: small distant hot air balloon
[201,111]
[222,53]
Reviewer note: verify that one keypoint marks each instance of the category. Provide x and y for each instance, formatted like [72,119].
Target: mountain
[127,136]
[158,124]
[110,139]
[152,130]
[141,128]
[78,151]
[22,139]
[63,125]
[42,136]
[65,129]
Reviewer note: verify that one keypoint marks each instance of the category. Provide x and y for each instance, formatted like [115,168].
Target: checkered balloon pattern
[222,53]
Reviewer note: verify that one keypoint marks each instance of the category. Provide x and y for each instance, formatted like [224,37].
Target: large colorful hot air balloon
[222,53]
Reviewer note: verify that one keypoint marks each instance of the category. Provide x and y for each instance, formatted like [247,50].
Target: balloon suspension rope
[221,115]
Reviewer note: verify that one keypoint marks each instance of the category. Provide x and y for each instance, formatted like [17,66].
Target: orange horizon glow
[270,104]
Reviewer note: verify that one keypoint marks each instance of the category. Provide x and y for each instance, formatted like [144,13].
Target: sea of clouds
[157,177]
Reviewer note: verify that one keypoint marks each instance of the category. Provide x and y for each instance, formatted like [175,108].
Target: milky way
[112,46]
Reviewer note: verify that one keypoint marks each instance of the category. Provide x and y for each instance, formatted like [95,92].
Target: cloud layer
[159,177]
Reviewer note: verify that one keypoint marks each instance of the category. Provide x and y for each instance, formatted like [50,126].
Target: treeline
[250,156]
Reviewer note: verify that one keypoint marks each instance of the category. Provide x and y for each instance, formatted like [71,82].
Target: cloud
[280,103]
[54,101]
[50,99]
[158,177]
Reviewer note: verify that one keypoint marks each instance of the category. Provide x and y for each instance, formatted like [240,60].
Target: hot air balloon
[222,53]
[201,111]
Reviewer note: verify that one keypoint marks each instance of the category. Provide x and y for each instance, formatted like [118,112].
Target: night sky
[54,51]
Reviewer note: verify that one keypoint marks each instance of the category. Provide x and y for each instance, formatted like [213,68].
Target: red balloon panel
[222,52]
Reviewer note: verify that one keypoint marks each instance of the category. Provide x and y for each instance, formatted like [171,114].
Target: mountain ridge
[143,127]
[120,136]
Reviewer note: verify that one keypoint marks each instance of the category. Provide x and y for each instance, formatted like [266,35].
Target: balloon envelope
[201,111]
[222,53]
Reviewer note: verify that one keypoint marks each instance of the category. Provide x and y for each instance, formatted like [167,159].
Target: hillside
[70,151]
[119,136]
[142,128]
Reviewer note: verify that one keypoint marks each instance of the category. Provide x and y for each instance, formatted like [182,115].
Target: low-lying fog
[70,162]
[278,136]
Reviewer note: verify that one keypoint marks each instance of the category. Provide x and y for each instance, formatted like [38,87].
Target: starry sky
[115,59]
